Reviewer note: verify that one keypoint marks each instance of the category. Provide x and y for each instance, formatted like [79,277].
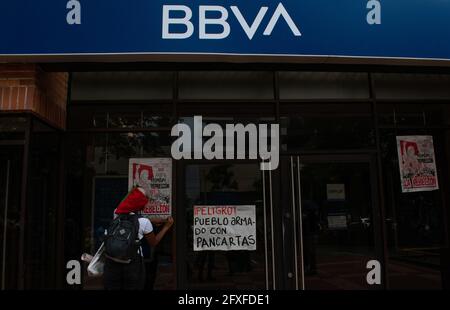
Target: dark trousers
[118,276]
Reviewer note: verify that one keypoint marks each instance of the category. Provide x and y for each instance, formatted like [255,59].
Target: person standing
[124,265]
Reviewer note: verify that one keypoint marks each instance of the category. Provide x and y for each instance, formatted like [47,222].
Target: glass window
[157,115]
[228,110]
[386,114]
[412,86]
[96,153]
[118,85]
[326,126]
[226,85]
[120,148]
[437,114]
[413,115]
[337,225]
[11,159]
[224,184]
[84,117]
[13,128]
[97,180]
[124,119]
[156,144]
[409,115]
[43,194]
[222,121]
[414,224]
[129,117]
[323,85]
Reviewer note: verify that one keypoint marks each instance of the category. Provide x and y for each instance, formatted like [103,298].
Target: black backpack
[122,243]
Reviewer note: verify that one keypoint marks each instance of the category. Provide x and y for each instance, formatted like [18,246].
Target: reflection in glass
[112,151]
[337,225]
[10,187]
[414,225]
[310,131]
[225,184]
[124,120]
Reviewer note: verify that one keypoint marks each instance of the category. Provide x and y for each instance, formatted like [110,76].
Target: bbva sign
[250,28]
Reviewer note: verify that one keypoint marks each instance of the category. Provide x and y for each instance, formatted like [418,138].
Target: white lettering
[214,15]
[281,12]
[214,147]
[74,15]
[374,275]
[249,30]
[374,15]
[74,274]
[167,21]
[271,156]
[181,147]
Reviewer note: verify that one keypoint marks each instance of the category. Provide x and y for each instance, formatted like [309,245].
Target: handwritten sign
[224,228]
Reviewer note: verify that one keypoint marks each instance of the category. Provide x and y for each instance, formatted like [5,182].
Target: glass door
[334,215]
[224,231]
[10,184]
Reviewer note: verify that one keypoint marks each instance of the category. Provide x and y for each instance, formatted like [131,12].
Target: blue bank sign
[385,29]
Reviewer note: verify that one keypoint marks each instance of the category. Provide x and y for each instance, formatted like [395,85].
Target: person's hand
[169,222]
[157,221]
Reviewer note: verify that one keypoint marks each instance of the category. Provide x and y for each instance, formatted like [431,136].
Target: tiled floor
[336,272]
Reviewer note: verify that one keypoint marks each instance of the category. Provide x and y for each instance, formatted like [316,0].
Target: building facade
[332,210]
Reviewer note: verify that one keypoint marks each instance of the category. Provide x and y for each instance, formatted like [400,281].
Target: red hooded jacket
[134,202]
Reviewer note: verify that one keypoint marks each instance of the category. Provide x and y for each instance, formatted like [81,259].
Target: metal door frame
[5,223]
[270,221]
[8,151]
[295,274]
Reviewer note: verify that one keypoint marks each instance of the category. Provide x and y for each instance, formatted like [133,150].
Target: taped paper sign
[337,221]
[417,163]
[155,176]
[336,191]
[224,228]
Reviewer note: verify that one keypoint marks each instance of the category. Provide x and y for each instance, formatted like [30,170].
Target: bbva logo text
[250,28]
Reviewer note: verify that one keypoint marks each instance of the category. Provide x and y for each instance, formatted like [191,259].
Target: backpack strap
[136,225]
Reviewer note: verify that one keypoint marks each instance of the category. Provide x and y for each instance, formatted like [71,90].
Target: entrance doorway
[332,221]
[10,194]
[317,221]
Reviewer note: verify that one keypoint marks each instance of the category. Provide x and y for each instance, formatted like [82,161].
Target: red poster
[155,176]
[417,163]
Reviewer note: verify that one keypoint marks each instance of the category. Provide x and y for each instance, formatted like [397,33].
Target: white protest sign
[224,228]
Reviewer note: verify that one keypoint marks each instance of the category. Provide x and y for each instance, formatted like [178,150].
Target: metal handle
[265,228]
[300,221]
[294,217]
[297,216]
[266,256]
[271,228]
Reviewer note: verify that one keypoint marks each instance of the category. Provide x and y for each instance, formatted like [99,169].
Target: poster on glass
[417,163]
[155,176]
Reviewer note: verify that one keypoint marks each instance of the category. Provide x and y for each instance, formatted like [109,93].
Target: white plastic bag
[95,267]
[85,257]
